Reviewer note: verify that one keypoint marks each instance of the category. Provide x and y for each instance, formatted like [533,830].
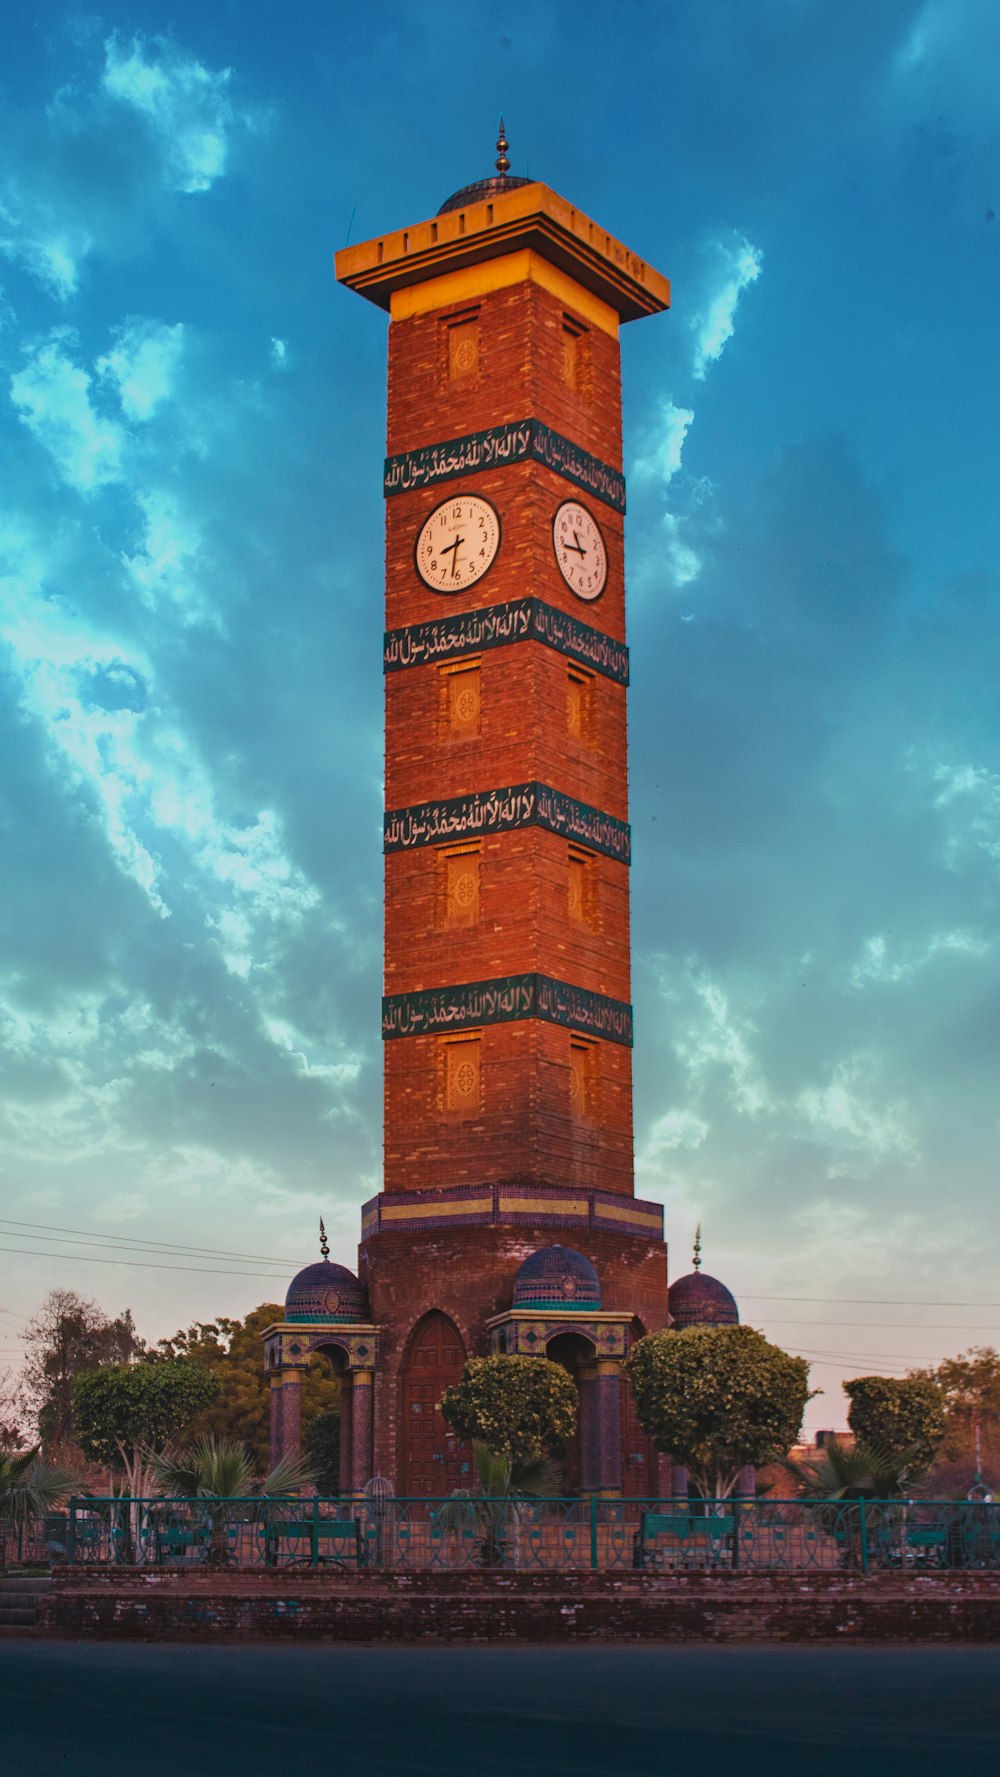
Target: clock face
[457,543]
[580,553]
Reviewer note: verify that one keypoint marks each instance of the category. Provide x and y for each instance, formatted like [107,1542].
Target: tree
[322,1450]
[223,1468]
[901,1417]
[970,1448]
[717,1399]
[13,1412]
[29,1488]
[856,1471]
[519,1407]
[67,1336]
[125,1412]
[232,1351]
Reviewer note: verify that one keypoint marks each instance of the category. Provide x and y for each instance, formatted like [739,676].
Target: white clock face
[580,552]
[457,543]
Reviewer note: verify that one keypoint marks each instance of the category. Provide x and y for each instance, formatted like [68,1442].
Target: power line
[136,1242]
[903,1326]
[140,1264]
[868,1301]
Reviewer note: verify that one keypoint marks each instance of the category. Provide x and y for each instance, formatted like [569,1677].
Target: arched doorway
[572,1351]
[434,1462]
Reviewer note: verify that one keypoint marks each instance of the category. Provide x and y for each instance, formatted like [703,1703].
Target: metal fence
[545,1535]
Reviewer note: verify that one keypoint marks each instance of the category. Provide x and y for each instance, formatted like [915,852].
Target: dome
[557,1277]
[702,1301]
[482,188]
[499,182]
[326,1292]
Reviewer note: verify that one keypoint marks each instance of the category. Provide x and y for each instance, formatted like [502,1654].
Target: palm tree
[505,1484]
[29,1488]
[221,1471]
[857,1471]
[848,1474]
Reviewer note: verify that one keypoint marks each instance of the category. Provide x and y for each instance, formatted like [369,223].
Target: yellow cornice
[530,217]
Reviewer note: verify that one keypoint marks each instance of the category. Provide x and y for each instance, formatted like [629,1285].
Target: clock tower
[508,1220]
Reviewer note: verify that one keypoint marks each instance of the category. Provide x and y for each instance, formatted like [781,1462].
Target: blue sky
[191,433]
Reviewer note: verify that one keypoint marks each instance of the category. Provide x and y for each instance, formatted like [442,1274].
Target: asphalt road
[166,1711]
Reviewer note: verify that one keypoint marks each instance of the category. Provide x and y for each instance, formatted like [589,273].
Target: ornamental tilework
[497,446]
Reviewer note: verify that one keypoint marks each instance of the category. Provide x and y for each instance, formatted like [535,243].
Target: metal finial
[503,164]
[697,1248]
[324,1244]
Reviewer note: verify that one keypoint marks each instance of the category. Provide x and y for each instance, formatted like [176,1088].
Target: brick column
[362,1382]
[286,1414]
[346,1440]
[600,1427]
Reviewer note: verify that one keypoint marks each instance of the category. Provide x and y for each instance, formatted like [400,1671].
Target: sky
[191,437]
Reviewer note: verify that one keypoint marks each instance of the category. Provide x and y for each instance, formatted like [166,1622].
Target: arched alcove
[572,1349]
[433,1461]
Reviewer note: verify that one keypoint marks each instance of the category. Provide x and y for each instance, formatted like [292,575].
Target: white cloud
[187,108]
[713,1040]
[49,248]
[53,396]
[877,966]
[969,795]
[662,458]
[738,264]
[279,354]
[675,1129]
[142,365]
[853,1115]
[685,562]
[166,566]
[155,792]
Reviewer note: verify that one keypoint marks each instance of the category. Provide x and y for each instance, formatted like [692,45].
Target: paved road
[96,1710]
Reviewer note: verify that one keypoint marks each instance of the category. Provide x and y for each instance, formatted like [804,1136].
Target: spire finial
[503,164]
[324,1244]
[697,1248]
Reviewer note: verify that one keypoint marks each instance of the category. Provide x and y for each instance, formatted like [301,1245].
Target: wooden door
[434,1462]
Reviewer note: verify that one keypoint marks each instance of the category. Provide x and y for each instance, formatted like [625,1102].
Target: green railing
[545,1535]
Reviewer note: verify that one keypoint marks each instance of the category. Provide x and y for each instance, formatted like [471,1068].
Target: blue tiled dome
[326,1292]
[702,1301]
[557,1277]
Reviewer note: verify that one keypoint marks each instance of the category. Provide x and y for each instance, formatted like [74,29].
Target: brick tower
[506,1018]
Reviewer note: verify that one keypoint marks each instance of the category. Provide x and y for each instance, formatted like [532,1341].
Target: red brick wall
[524,1128]
[621,1606]
[468,1274]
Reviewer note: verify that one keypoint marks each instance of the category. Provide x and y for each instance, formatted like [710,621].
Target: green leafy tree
[717,1399]
[970,1448]
[898,1416]
[125,1412]
[29,1487]
[231,1350]
[522,1408]
[321,1444]
[68,1336]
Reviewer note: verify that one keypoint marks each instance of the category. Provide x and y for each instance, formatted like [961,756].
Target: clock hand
[452,549]
[575,547]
